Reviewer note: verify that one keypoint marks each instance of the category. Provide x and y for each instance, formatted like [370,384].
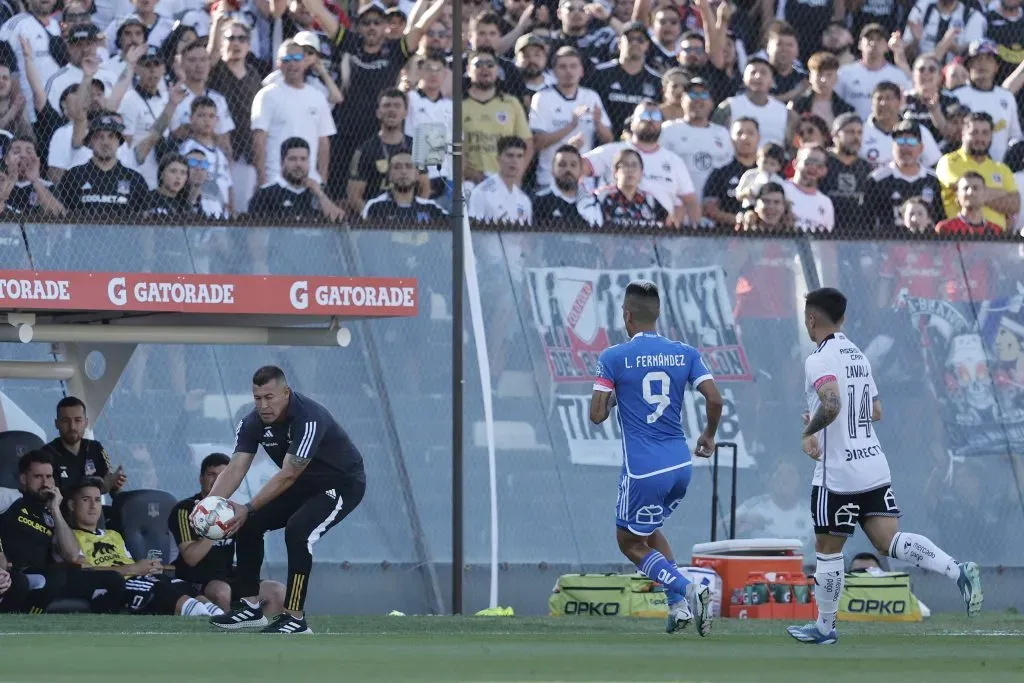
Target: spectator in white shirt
[812,210]
[427,104]
[157,27]
[315,71]
[291,109]
[216,190]
[500,198]
[194,62]
[566,114]
[982,94]
[944,26]
[140,109]
[876,145]
[702,145]
[83,41]
[858,80]
[40,27]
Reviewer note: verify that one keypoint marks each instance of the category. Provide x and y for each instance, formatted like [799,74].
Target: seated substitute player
[40,544]
[147,589]
[321,481]
[852,482]
[648,375]
[209,565]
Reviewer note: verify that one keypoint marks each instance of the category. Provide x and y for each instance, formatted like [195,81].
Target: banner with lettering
[976,366]
[578,313]
[591,444]
[192,293]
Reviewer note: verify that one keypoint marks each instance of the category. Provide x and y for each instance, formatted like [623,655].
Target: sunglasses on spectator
[77,16]
[297,57]
[650,115]
[199,163]
[484,63]
[907,140]
[695,50]
[698,95]
[240,38]
[370,22]
[810,161]
[437,33]
[927,68]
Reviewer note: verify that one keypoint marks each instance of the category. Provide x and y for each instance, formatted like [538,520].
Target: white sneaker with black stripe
[289,625]
[247,616]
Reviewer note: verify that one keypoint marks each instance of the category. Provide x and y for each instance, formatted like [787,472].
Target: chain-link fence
[603,141]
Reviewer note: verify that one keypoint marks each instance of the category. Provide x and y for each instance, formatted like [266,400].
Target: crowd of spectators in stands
[297,109]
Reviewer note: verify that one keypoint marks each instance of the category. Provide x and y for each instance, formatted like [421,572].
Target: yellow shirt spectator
[484,123]
[951,168]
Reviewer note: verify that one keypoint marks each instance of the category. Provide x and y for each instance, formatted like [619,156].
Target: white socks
[921,552]
[214,610]
[194,608]
[828,587]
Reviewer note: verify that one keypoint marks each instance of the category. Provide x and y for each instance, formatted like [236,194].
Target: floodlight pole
[458,276]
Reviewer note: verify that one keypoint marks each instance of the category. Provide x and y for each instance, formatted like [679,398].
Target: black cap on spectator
[371,7]
[84,32]
[105,122]
[634,26]
[528,40]
[152,54]
[392,11]
[843,120]
[758,59]
[907,127]
[870,29]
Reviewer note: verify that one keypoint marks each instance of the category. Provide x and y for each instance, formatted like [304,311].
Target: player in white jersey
[851,479]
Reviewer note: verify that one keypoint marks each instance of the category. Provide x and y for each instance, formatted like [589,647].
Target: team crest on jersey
[502,117]
[997,178]
[927,194]
[124,187]
[47,518]
[90,467]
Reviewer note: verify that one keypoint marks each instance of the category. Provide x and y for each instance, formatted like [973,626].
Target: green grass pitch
[87,649]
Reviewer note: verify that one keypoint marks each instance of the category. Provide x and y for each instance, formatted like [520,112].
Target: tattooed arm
[828,395]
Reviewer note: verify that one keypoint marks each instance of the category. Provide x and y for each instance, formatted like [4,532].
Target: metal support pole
[458,275]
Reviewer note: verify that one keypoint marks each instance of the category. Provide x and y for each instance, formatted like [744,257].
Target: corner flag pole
[458,274]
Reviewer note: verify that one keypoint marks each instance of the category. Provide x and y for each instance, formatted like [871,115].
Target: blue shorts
[644,504]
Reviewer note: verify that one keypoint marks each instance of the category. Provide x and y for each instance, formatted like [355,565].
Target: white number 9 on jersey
[660,399]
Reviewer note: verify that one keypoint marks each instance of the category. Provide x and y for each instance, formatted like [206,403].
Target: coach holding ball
[321,481]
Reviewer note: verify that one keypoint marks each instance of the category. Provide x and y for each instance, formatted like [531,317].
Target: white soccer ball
[211,516]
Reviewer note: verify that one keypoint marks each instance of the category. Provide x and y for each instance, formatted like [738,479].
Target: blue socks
[655,567]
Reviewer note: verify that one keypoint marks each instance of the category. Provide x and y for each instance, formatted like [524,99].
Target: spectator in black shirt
[902,178]
[375,65]
[564,201]
[928,103]
[846,179]
[400,204]
[666,27]
[625,82]
[103,188]
[74,457]
[782,51]
[712,57]
[720,202]
[209,565]
[34,531]
[485,32]
[370,163]
[22,189]
[294,195]
[820,98]
[171,197]
[594,39]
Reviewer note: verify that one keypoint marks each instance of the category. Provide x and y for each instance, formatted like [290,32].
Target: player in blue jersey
[646,377]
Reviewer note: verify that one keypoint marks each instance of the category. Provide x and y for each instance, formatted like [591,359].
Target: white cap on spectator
[373,6]
[307,39]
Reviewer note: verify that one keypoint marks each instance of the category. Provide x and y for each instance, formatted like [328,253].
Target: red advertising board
[189,293]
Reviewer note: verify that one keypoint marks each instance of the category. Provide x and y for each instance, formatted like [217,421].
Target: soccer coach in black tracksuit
[321,481]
